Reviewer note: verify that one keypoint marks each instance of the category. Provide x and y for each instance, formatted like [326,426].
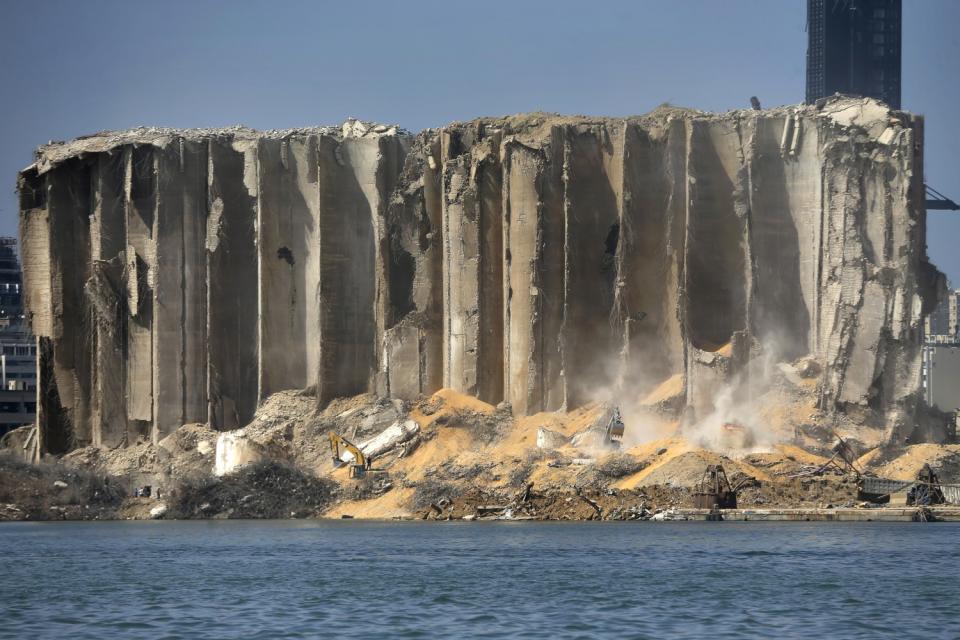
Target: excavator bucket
[616,427]
[715,491]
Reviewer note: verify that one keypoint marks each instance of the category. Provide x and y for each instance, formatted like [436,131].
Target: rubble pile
[434,462]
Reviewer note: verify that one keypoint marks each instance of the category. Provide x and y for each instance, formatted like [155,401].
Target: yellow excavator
[361,463]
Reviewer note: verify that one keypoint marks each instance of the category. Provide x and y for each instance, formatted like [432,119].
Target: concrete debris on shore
[535,316]
[465,460]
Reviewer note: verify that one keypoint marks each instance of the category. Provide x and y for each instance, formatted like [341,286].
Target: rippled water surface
[306,579]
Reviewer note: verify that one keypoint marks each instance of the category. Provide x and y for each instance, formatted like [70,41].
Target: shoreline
[948,513]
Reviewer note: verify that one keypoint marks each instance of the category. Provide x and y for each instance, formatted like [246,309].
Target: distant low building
[18,349]
[941,376]
[941,355]
[943,325]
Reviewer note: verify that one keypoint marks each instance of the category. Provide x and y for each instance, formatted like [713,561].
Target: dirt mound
[51,491]
[685,470]
[288,427]
[187,450]
[282,407]
[666,392]
[140,462]
[609,469]
[904,464]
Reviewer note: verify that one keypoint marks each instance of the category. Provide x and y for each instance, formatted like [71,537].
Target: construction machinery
[734,435]
[360,462]
[926,490]
[714,490]
[615,428]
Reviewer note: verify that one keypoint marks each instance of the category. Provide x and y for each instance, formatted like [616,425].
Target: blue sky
[68,68]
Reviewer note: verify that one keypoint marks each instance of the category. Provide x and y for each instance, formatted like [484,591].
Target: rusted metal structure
[926,490]
[878,490]
[714,490]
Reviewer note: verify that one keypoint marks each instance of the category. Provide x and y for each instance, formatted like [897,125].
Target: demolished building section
[181,276]
[177,276]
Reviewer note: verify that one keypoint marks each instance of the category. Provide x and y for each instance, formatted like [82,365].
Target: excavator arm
[361,462]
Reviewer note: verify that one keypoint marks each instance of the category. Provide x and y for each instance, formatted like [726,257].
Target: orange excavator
[360,463]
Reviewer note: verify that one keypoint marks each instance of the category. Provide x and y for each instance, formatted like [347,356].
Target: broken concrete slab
[234,450]
[549,439]
[393,436]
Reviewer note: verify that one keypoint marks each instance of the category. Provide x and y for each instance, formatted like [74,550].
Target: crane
[936,201]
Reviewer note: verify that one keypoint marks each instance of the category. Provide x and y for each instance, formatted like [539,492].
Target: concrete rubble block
[393,436]
[808,367]
[548,439]
[791,373]
[382,414]
[235,449]
[190,438]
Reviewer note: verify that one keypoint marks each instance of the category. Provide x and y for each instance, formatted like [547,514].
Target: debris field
[471,305]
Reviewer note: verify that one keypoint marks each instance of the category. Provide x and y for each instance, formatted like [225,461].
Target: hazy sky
[75,67]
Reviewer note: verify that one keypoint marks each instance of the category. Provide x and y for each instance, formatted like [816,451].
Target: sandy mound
[668,389]
[944,459]
[393,504]
[684,470]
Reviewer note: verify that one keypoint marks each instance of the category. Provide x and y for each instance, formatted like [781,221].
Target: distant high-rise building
[18,350]
[853,47]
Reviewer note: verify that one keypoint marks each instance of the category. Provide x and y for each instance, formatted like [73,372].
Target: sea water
[315,579]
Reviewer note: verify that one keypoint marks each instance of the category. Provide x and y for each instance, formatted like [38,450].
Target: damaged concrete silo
[179,276]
